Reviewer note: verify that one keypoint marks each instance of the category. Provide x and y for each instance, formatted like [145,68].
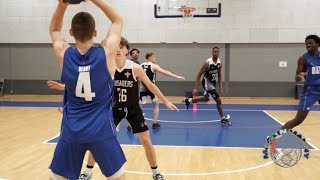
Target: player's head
[312,43]
[134,53]
[123,49]
[151,57]
[215,52]
[83,27]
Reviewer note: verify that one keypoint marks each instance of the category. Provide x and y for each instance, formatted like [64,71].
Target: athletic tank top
[87,113]
[211,74]
[313,69]
[126,93]
[147,68]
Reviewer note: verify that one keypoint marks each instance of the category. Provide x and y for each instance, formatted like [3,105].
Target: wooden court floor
[23,156]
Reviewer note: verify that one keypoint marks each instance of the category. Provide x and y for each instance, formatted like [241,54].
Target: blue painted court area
[181,106]
[202,127]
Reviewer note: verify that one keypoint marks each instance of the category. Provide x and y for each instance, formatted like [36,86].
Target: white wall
[242,21]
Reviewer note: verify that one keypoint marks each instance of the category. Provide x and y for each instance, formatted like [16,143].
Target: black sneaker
[129,128]
[187,103]
[155,125]
[226,121]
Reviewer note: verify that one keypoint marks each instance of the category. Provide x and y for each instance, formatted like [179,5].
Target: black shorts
[210,93]
[145,94]
[133,115]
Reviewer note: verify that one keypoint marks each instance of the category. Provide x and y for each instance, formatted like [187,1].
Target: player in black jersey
[150,69]
[126,104]
[211,70]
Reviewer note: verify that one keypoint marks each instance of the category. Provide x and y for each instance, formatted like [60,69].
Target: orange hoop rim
[187,11]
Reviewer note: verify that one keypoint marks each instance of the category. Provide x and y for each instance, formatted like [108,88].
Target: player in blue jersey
[308,70]
[87,72]
[126,105]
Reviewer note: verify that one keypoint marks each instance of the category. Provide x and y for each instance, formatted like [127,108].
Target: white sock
[89,170]
[155,171]
[190,100]
[223,117]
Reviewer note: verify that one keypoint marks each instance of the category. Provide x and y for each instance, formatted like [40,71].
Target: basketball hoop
[187,12]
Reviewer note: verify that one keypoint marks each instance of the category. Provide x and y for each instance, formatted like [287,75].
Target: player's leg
[155,104]
[307,100]
[224,119]
[54,176]
[190,100]
[118,115]
[67,160]
[150,153]
[139,127]
[110,157]
[298,119]
[87,173]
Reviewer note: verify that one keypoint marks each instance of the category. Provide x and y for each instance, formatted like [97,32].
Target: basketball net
[187,13]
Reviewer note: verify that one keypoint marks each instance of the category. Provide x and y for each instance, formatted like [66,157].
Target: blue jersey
[313,69]
[87,113]
[137,62]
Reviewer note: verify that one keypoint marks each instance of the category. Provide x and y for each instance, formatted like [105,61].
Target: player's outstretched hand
[171,106]
[55,85]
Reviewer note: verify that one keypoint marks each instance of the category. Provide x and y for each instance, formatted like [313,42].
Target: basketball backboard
[204,8]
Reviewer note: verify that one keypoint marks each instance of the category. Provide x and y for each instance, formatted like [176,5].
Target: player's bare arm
[58,41]
[112,40]
[55,85]
[300,74]
[139,73]
[220,80]
[157,68]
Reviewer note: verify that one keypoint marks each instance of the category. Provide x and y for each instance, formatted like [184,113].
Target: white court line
[205,147]
[201,174]
[283,124]
[183,122]
[47,141]
[203,109]
[208,173]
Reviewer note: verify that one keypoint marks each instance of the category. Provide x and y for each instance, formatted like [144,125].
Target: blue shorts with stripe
[308,97]
[68,157]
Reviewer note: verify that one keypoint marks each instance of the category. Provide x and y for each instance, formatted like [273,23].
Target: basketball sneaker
[226,120]
[158,177]
[155,125]
[86,175]
[187,103]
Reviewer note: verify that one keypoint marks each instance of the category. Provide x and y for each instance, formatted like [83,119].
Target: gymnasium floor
[191,144]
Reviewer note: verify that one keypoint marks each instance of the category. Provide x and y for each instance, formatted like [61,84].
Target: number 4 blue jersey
[87,113]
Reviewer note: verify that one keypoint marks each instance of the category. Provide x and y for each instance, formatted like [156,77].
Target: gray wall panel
[251,69]
[5,63]
[181,59]
[260,62]
[34,62]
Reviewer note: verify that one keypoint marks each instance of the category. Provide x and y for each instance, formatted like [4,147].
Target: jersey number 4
[84,84]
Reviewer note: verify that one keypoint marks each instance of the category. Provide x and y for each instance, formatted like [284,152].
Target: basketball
[73,1]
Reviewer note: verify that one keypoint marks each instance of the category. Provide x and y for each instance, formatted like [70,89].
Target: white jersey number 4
[85,84]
